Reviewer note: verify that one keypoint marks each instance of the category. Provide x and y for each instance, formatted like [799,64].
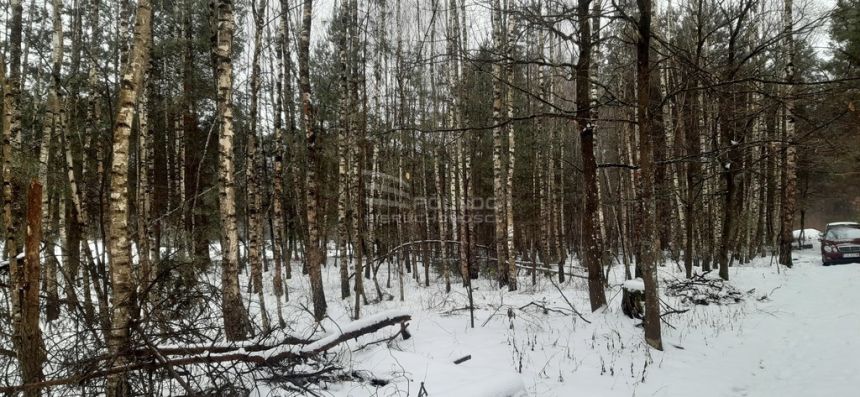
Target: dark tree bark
[649,258]
[31,349]
[314,254]
[12,128]
[591,239]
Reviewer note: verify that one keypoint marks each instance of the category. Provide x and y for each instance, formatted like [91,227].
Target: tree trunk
[11,128]
[144,191]
[498,130]
[52,121]
[443,222]
[343,151]
[789,198]
[124,296]
[196,221]
[691,137]
[31,348]
[314,252]
[278,248]
[591,241]
[255,199]
[236,325]
[358,154]
[510,267]
[648,259]
[72,248]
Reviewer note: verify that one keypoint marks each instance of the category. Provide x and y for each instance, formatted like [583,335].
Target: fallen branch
[403,332]
[568,302]
[701,290]
[154,358]
[491,316]
[676,311]
[543,308]
[450,312]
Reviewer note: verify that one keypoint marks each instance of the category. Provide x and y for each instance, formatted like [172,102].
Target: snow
[800,341]
[793,335]
[636,284]
[6,262]
[809,234]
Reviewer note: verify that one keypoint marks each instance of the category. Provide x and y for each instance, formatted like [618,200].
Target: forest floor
[793,334]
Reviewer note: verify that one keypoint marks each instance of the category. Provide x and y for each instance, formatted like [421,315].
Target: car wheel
[826,263]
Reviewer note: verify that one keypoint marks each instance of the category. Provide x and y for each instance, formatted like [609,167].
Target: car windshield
[843,233]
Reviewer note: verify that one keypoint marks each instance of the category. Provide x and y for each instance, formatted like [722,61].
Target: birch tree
[343,148]
[280,255]
[499,173]
[789,192]
[236,324]
[314,254]
[11,127]
[124,290]
[252,169]
[53,119]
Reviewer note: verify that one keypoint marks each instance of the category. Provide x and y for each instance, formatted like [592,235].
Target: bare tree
[236,324]
[313,250]
[500,47]
[252,168]
[592,244]
[11,128]
[54,117]
[649,257]
[789,192]
[124,290]
[32,348]
[510,267]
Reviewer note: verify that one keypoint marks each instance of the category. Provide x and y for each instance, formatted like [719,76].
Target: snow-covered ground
[802,341]
[795,334]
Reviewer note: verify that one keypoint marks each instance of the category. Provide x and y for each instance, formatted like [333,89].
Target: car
[840,243]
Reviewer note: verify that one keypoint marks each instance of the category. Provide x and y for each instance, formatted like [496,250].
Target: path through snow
[805,341]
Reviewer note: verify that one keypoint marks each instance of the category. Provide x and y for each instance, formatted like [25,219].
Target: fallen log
[463,359]
[255,354]
[520,265]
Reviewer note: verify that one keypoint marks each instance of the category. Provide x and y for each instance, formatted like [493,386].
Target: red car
[841,243]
